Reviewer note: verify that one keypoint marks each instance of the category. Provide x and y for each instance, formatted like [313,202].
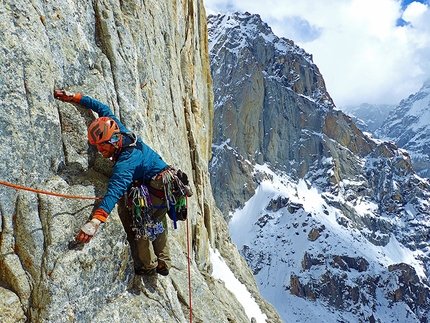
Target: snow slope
[275,242]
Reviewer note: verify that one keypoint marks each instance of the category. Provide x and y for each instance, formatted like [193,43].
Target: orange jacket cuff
[77,97]
[101,215]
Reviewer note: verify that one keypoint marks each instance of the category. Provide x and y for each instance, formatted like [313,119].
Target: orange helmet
[101,130]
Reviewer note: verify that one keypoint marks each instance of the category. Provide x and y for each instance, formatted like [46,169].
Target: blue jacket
[131,164]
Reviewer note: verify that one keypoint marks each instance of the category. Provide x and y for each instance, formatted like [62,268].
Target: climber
[135,163]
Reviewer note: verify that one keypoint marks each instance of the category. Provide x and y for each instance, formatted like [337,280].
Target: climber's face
[106,149]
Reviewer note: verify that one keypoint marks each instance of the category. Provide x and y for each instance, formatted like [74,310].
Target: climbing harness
[140,207]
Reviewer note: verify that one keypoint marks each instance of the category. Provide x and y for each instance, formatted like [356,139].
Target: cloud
[417,14]
[373,51]
[297,28]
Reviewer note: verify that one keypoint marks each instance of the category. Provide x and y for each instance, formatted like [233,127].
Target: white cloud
[415,12]
[364,50]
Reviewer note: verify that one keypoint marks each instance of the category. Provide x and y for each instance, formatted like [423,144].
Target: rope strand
[189,274]
[20,187]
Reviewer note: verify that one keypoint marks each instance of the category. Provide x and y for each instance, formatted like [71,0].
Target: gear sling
[176,191]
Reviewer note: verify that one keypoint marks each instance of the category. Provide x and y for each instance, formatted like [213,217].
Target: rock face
[340,201]
[271,107]
[148,60]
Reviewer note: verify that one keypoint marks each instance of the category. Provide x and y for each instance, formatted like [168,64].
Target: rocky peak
[267,88]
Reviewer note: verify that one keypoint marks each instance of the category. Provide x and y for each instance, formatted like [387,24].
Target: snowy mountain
[408,125]
[334,224]
[368,117]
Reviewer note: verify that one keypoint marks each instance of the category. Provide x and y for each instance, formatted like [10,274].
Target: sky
[368,51]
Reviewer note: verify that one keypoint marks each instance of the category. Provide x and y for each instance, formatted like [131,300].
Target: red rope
[20,187]
[189,272]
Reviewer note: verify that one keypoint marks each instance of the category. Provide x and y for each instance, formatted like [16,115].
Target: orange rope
[19,187]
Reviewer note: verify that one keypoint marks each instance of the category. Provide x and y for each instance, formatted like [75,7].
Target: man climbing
[143,214]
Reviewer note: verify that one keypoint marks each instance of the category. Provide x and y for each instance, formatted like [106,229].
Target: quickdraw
[140,207]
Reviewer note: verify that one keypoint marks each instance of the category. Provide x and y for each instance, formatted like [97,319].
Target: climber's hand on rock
[67,96]
[88,231]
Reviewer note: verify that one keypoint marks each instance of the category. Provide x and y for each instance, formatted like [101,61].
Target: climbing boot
[162,269]
[145,272]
